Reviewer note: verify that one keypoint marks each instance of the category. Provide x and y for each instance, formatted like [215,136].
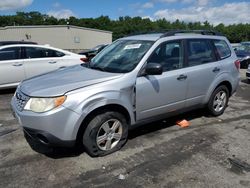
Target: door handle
[216,69]
[182,77]
[17,64]
[62,67]
[52,62]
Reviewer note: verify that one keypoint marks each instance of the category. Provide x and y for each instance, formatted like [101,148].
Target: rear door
[41,60]
[160,94]
[11,66]
[203,69]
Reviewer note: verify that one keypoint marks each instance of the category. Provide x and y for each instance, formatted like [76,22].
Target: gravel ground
[211,152]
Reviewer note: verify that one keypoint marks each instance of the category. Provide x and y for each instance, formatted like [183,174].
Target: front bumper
[46,138]
[248,74]
[57,127]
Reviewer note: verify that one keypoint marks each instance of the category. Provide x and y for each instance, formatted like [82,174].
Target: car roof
[36,45]
[245,43]
[176,34]
[2,43]
[29,45]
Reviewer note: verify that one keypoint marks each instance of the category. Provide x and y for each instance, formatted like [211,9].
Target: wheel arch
[213,87]
[101,109]
[228,85]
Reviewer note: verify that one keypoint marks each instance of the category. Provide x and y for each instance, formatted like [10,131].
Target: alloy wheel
[109,134]
[220,101]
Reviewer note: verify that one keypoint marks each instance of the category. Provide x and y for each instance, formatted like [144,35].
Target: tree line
[126,25]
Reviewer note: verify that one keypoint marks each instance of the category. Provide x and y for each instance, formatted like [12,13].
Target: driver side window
[169,55]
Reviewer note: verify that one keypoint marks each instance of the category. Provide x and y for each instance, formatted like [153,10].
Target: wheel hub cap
[219,101]
[109,134]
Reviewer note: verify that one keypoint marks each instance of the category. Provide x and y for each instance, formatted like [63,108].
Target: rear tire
[105,133]
[218,101]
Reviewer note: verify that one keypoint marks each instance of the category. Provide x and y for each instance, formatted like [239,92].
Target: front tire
[105,133]
[218,101]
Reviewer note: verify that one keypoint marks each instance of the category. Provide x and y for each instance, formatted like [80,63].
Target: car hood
[59,82]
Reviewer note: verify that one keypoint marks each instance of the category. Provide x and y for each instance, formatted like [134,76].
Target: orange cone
[183,123]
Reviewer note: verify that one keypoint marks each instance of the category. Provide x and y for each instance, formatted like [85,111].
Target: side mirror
[153,69]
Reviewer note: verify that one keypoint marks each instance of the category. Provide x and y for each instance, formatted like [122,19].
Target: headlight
[44,104]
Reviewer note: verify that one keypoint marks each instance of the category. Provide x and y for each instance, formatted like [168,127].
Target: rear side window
[37,52]
[10,53]
[199,52]
[222,49]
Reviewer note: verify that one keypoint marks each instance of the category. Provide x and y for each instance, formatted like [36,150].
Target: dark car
[2,43]
[243,53]
[92,52]
[247,43]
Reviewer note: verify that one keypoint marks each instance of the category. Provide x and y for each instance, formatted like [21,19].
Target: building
[66,37]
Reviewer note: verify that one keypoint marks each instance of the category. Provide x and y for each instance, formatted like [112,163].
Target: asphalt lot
[211,152]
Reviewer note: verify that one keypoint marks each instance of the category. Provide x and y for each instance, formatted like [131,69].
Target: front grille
[248,74]
[20,100]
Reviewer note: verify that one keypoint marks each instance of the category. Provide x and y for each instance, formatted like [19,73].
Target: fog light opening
[42,139]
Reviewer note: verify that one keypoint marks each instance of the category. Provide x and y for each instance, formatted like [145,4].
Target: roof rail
[202,32]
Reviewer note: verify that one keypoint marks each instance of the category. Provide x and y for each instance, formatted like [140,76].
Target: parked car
[93,52]
[22,61]
[243,53]
[2,43]
[135,80]
[248,73]
[246,43]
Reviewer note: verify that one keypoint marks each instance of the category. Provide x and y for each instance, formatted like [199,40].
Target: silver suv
[135,80]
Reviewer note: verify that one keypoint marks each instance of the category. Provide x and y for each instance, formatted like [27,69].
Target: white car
[22,61]
[248,73]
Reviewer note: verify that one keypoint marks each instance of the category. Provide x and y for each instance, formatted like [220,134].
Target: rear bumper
[46,138]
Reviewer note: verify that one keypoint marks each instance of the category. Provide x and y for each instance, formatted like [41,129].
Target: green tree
[126,25]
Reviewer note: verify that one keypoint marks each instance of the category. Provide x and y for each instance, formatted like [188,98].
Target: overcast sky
[214,11]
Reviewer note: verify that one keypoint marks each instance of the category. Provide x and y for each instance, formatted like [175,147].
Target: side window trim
[185,46]
[23,52]
[209,41]
[215,50]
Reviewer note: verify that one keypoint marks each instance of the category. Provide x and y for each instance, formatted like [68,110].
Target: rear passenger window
[199,52]
[36,52]
[10,53]
[222,49]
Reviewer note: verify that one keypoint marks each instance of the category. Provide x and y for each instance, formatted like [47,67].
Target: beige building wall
[60,36]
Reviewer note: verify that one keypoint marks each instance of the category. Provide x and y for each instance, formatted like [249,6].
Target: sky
[213,11]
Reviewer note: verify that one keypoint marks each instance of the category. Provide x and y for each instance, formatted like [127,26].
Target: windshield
[120,57]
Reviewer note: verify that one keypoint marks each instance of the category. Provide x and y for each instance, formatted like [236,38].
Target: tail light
[84,59]
[237,64]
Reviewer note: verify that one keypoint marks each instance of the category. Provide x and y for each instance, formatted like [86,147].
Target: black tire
[211,104]
[95,128]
